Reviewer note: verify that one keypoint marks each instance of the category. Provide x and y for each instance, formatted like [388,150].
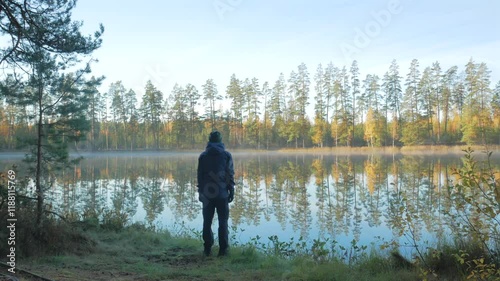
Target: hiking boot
[223,253]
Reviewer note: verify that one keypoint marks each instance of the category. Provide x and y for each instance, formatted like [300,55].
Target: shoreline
[405,150]
[138,253]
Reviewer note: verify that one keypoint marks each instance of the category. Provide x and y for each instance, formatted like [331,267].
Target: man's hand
[231,195]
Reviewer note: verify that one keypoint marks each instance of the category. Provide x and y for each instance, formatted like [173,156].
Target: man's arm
[230,177]
[200,174]
[230,172]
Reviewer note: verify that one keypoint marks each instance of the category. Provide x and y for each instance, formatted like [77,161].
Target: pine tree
[362,102]
[254,98]
[372,92]
[318,130]
[495,106]
[292,114]
[427,100]
[436,96]
[477,118]
[234,93]
[448,84]
[132,118]
[386,87]
[46,25]
[328,88]
[179,113]
[328,84]
[337,80]
[393,92]
[193,97]
[61,107]
[278,108]
[118,111]
[152,108]
[103,106]
[319,106]
[93,110]
[252,95]
[373,99]
[211,96]
[46,42]
[346,109]
[355,86]
[411,99]
[415,128]
[267,124]
[299,90]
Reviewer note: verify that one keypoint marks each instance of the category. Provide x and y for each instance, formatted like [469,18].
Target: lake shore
[405,150]
[135,253]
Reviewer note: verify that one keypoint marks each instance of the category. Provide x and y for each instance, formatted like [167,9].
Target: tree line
[433,106]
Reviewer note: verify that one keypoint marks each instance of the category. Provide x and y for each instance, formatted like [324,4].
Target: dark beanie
[215,136]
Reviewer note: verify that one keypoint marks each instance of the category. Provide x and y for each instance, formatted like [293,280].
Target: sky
[191,41]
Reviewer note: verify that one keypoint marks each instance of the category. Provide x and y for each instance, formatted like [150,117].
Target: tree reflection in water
[359,197]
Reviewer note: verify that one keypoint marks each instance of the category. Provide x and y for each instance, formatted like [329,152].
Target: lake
[366,198]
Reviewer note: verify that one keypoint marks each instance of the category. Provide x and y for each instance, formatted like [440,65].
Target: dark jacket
[215,171]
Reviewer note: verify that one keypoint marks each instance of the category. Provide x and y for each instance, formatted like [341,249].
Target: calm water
[364,197]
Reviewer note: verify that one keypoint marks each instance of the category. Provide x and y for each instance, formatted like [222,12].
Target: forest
[433,106]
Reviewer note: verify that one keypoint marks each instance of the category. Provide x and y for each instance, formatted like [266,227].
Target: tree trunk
[38,169]
[92,137]
[438,124]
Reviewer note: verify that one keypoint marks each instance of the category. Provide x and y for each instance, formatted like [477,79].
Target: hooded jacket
[215,171]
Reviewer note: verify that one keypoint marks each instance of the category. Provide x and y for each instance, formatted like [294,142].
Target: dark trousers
[222,206]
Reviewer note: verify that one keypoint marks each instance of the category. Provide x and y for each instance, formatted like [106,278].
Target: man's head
[215,136]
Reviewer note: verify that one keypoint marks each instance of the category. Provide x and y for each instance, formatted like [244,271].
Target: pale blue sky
[191,41]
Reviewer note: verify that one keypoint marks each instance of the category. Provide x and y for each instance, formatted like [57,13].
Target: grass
[138,253]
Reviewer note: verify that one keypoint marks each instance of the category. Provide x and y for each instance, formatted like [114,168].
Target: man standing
[216,191]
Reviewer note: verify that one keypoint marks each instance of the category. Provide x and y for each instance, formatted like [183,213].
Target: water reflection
[354,197]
